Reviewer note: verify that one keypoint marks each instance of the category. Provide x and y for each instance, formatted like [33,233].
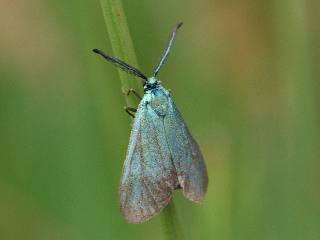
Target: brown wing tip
[194,197]
[136,216]
[195,193]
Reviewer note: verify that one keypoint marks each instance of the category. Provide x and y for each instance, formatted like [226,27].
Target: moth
[162,155]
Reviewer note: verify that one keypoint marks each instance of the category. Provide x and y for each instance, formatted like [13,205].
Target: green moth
[162,155]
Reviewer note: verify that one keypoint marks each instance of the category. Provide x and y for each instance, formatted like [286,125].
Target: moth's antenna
[124,66]
[166,53]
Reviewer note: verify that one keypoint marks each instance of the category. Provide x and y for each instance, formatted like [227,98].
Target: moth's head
[151,83]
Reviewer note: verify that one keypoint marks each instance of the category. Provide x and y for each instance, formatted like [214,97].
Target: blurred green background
[244,74]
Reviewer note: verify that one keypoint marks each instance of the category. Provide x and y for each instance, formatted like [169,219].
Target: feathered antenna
[166,53]
[124,66]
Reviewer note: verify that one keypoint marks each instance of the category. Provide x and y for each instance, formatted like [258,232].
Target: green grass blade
[122,45]
[123,48]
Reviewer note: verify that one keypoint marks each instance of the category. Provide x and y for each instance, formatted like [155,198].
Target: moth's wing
[149,176]
[187,157]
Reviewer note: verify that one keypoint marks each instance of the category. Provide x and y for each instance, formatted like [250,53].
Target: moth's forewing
[187,157]
[161,156]
[149,177]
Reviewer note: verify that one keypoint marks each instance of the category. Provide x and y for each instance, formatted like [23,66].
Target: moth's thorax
[157,99]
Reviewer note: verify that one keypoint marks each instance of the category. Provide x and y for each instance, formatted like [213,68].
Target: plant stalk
[122,46]
[123,49]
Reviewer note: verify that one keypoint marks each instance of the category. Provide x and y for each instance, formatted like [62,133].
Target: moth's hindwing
[187,158]
[149,176]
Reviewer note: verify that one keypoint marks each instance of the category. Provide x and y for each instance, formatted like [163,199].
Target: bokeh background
[244,74]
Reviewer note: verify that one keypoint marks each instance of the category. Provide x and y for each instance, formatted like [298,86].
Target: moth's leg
[130,110]
[131,90]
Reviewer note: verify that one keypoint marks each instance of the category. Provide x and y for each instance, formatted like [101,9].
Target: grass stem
[123,49]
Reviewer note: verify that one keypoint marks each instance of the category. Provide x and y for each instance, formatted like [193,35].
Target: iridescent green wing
[149,177]
[187,157]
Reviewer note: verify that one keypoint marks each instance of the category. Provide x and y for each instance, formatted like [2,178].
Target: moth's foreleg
[131,90]
[130,110]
